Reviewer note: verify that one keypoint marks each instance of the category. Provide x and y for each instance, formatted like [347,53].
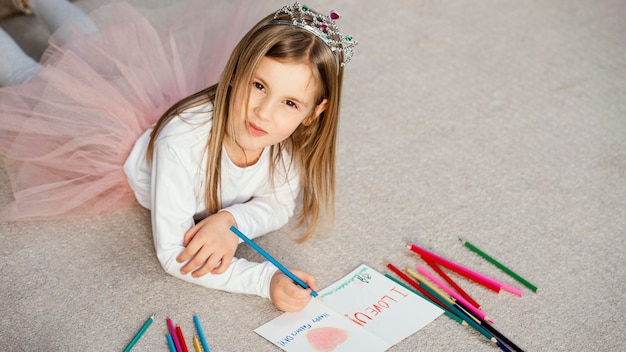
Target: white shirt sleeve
[173,205]
[271,208]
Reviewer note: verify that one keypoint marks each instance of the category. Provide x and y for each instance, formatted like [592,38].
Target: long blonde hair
[312,147]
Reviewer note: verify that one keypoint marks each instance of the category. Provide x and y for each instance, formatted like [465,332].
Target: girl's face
[282,96]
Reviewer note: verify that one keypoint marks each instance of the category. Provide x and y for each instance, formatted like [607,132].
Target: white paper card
[363,311]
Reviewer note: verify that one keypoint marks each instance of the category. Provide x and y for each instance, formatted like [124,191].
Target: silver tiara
[322,26]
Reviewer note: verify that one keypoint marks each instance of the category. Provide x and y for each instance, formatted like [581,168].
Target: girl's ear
[317,111]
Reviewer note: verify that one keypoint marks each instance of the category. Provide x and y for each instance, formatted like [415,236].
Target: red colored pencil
[417,286]
[181,339]
[459,269]
[451,282]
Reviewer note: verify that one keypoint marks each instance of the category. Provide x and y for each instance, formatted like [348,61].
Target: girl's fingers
[216,263]
[222,265]
[209,265]
[198,257]
[189,235]
[190,250]
[306,277]
[296,304]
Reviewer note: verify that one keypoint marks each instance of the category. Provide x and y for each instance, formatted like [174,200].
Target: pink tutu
[65,134]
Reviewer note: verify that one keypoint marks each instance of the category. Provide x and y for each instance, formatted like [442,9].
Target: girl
[238,153]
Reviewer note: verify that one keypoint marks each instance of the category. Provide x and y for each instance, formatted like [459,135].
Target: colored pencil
[140,333]
[173,334]
[461,311]
[512,289]
[447,312]
[170,342]
[196,344]
[498,264]
[500,336]
[205,345]
[272,260]
[415,285]
[465,315]
[438,301]
[464,310]
[181,339]
[451,282]
[459,269]
[458,310]
[503,346]
[481,326]
[423,282]
[477,312]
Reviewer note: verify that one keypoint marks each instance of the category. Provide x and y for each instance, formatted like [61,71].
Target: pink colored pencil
[459,269]
[451,282]
[170,326]
[453,294]
[513,290]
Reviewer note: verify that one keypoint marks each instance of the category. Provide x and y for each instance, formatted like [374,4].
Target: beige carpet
[502,122]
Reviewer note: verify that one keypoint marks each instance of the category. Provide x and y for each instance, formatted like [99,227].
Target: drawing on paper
[326,338]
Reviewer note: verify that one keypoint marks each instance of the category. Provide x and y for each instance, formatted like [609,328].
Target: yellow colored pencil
[196,344]
[423,280]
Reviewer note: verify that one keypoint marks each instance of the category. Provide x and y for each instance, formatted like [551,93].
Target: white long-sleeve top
[173,188]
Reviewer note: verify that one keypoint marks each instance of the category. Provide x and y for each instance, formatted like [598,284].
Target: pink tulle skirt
[65,134]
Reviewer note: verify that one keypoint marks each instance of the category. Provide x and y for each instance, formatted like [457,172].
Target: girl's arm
[173,206]
[269,207]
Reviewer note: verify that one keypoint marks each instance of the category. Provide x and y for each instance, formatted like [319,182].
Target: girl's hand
[289,296]
[208,243]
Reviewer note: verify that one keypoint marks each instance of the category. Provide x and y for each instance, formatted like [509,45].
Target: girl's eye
[291,104]
[258,86]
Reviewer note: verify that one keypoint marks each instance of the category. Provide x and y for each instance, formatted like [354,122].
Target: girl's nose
[263,109]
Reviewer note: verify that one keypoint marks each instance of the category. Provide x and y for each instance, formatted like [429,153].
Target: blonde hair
[312,146]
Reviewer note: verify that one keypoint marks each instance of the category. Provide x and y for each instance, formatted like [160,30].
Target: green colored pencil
[499,265]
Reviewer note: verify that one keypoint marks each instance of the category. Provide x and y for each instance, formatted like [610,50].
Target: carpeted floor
[502,122]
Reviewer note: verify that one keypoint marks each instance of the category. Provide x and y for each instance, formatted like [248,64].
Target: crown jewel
[322,26]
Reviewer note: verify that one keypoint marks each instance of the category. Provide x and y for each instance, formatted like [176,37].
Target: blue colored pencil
[205,345]
[170,342]
[272,260]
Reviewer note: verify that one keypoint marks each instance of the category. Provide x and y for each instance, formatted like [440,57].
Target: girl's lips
[255,130]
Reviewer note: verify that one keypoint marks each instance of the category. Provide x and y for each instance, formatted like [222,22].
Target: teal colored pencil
[445,311]
[139,333]
[499,265]
[462,313]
